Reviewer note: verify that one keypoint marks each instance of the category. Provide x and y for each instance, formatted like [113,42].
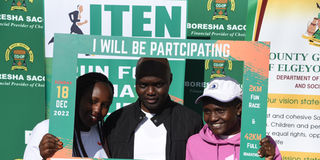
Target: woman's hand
[267,149]
[49,145]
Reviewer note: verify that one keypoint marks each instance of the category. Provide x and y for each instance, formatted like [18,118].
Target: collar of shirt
[158,118]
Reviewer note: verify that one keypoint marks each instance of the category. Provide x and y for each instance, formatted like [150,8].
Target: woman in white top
[93,98]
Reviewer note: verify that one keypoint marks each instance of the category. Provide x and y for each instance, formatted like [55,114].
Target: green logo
[218,67]
[220,8]
[19,5]
[19,53]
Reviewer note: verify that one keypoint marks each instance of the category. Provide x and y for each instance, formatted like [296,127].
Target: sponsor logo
[220,8]
[218,67]
[19,53]
[313,33]
[19,5]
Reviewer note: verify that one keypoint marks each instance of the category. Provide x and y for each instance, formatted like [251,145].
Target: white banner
[294,78]
[139,18]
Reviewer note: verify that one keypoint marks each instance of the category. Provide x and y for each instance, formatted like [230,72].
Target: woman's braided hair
[86,83]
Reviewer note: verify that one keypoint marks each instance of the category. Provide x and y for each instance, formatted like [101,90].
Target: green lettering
[138,21]
[116,18]
[163,19]
[95,19]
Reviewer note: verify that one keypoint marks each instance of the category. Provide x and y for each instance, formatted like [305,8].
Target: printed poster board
[294,79]
[220,19]
[139,18]
[22,73]
[255,76]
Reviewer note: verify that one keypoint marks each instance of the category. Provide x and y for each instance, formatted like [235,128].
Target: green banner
[22,78]
[255,74]
[220,19]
